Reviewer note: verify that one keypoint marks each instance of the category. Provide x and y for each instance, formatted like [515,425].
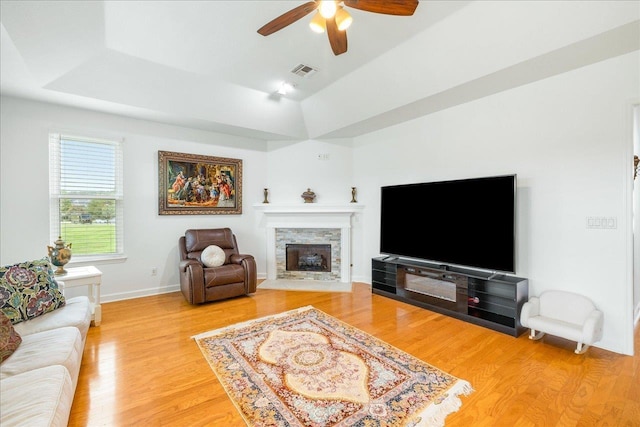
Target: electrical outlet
[323,156]
[154,271]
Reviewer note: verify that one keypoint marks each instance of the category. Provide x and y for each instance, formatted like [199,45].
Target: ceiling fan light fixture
[318,23]
[343,19]
[331,17]
[327,9]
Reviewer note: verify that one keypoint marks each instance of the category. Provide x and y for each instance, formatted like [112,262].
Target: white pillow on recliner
[213,256]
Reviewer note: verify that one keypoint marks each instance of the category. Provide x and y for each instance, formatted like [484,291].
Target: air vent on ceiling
[304,70]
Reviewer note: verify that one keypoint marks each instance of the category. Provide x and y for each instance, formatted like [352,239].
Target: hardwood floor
[141,367]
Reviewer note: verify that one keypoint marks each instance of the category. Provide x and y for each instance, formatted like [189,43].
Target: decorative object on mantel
[60,255]
[353,195]
[308,196]
[636,161]
[266,196]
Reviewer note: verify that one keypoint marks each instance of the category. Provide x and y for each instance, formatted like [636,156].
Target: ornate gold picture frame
[191,184]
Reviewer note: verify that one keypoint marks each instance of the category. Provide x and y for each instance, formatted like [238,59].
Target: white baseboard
[139,293]
[171,288]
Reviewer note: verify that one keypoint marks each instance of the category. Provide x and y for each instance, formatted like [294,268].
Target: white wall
[322,166]
[150,239]
[326,168]
[566,138]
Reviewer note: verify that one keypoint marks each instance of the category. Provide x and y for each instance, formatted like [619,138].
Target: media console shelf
[493,301]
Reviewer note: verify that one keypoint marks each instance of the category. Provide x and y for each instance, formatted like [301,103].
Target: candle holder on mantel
[308,196]
[353,195]
[266,196]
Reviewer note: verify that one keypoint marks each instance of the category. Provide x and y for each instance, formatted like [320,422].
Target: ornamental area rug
[306,368]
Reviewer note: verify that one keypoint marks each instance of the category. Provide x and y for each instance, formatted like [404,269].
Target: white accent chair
[564,314]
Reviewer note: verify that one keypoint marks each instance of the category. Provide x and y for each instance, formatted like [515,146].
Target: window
[86,193]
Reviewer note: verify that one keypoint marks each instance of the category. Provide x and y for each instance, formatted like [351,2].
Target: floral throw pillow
[28,289]
[9,338]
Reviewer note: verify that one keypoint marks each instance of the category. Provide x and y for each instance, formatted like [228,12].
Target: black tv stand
[490,300]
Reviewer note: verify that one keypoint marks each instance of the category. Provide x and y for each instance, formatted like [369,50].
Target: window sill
[96,259]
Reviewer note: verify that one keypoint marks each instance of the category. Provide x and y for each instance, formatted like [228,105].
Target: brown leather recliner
[200,284]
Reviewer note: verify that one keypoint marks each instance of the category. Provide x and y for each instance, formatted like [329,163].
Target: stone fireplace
[300,250]
[313,225]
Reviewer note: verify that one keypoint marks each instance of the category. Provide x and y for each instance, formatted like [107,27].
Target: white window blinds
[86,193]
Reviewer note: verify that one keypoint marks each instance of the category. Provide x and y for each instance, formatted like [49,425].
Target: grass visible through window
[89,239]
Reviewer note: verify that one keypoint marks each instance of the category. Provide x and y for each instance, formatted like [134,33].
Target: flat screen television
[466,222]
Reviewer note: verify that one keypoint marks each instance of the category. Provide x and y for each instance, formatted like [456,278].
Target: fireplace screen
[301,257]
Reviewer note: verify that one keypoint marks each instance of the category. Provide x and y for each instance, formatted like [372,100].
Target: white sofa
[564,314]
[38,381]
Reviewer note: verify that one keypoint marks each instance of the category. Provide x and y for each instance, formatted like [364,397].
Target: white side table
[86,276]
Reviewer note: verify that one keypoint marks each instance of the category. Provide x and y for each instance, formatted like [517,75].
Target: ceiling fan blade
[337,38]
[288,18]
[387,7]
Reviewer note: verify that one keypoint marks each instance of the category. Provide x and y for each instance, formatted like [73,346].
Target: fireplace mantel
[307,208]
[309,215]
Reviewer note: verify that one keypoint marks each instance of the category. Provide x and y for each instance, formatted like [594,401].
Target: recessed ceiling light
[286,87]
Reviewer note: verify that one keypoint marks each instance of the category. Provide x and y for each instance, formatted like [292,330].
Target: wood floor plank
[142,367]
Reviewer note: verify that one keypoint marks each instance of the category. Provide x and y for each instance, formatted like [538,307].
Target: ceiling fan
[332,17]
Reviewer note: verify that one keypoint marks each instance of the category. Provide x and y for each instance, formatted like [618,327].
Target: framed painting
[190,184]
